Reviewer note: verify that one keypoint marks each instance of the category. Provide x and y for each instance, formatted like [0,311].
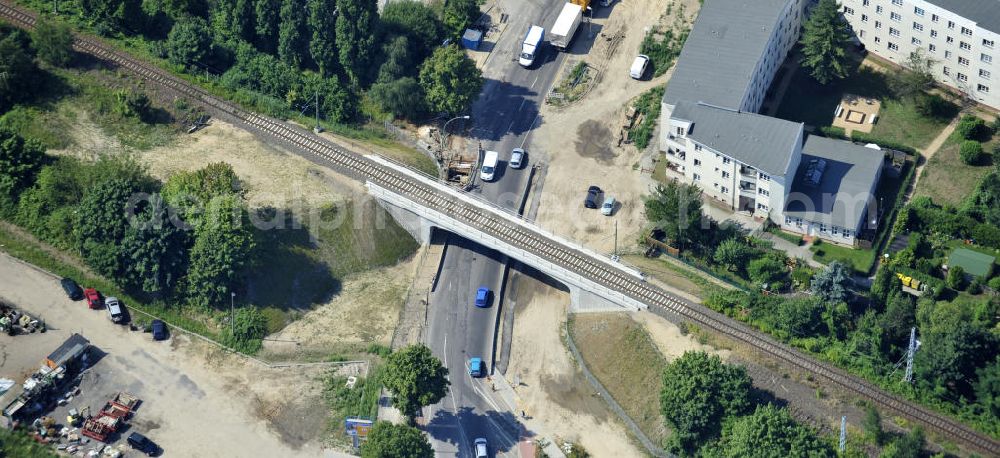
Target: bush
[973,128]
[833,132]
[245,334]
[956,277]
[935,106]
[971,152]
[863,137]
[994,284]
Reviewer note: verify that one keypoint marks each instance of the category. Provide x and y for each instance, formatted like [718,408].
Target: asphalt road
[503,117]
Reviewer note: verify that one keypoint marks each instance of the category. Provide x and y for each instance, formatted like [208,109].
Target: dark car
[143,444]
[73,290]
[593,197]
[159,329]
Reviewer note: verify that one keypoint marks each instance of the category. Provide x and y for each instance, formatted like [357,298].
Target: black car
[73,290]
[159,329]
[593,197]
[143,444]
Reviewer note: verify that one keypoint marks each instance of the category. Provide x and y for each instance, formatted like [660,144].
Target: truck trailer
[531,46]
[565,26]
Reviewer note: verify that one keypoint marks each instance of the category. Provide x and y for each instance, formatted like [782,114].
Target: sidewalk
[508,398]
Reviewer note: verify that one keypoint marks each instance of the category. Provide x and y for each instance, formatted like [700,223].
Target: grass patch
[573,86]
[860,260]
[946,179]
[648,106]
[794,239]
[359,401]
[689,281]
[620,353]
[899,120]
[663,44]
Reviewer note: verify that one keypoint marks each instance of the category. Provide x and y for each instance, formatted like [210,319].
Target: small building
[70,350]
[973,263]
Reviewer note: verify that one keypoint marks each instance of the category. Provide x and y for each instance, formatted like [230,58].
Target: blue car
[476,367]
[483,297]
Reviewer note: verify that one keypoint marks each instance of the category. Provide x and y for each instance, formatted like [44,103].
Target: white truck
[566,24]
[531,46]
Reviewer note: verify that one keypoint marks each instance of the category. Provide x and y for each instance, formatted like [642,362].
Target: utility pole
[909,355]
[232,313]
[616,238]
[843,433]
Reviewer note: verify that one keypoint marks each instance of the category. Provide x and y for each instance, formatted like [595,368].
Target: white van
[489,166]
[531,46]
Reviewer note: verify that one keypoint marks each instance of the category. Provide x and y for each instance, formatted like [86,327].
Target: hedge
[868,138]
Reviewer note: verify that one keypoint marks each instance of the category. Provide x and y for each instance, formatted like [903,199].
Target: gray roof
[842,194]
[755,140]
[986,13]
[720,54]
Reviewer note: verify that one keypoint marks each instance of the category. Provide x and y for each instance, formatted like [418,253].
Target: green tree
[233,20]
[771,432]
[916,77]
[988,387]
[194,193]
[831,284]
[399,59]
[402,98]
[971,152]
[450,80]
[909,445]
[53,41]
[110,16]
[898,319]
[416,21]
[416,379]
[799,317]
[956,278]
[130,103]
[885,284]
[675,209]
[766,270]
[357,22]
[267,13]
[872,425]
[222,252]
[19,73]
[457,15]
[972,127]
[102,223]
[189,42]
[951,354]
[20,161]
[826,37]
[156,246]
[323,44]
[386,440]
[249,326]
[293,33]
[699,391]
[734,254]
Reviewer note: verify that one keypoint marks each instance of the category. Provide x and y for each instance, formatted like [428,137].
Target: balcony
[679,154]
[746,186]
[748,172]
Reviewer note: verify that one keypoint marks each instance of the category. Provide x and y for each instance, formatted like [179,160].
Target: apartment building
[712,136]
[960,36]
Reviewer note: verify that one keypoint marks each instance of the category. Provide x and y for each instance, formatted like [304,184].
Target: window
[893,46]
[878,40]
[761,207]
[878,24]
[946,71]
[918,26]
[963,61]
[878,9]
[865,2]
[949,40]
[918,11]
[864,18]
[964,45]
[835,230]
[724,190]
[895,16]
[966,31]
[680,131]
[947,54]
[934,18]
[848,10]
[697,162]
[931,47]
[951,24]
[763,192]
[983,88]
[933,33]
[986,58]
[725,174]
[697,147]
[696,177]
[962,77]
[893,32]
[847,233]
[897,2]
[763,177]
[822,227]
[726,160]
[988,43]
[984,74]
[915,41]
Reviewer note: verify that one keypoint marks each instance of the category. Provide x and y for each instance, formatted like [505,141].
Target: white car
[482,451]
[639,66]
[609,206]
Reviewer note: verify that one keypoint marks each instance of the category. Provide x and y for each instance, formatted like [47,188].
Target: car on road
[483,297]
[116,311]
[482,448]
[490,162]
[593,196]
[72,289]
[639,66]
[517,158]
[476,367]
[143,444]
[609,206]
[159,329]
[93,297]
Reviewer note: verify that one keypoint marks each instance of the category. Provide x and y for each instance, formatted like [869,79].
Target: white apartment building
[711,135]
[960,36]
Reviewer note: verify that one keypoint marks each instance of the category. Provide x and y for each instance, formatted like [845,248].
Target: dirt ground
[554,393]
[580,141]
[197,400]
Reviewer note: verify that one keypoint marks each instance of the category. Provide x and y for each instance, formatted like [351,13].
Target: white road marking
[533,82]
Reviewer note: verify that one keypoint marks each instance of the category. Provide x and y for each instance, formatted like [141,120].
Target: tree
[267,13]
[450,80]
[402,98]
[771,431]
[799,317]
[872,425]
[130,103]
[357,22]
[245,333]
[323,44]
[156,246]
[53,42]
[885,284]
[195,193]
[416,379]
[988,387]
[831,284]
[956,278]
[826,37]
[457,15]
[915,78]
[972,127]
[951,354]
[699,391]
[898,319]
[971,152]
[19,71]
[906,446]
[233,20]
[734,254]
[417,22]
[222,252]
[102,222]
[20,161]
[765,270]
[189,42]
[386,440]
[399,59]
[109,16]
[293,33]
[675,209]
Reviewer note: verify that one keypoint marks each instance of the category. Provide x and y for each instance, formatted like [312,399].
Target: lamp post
[444,130]
[232,313]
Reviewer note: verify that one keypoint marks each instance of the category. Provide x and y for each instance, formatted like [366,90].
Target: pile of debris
[632,118]
[14,322]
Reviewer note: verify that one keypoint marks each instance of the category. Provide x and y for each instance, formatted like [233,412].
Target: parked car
[93,297]
[490,163]
[159,329]
[609,206]
[72,289]
[116,311]
[143,444]
[476,367]
[482,448]
[593,196]
[639,66]
[482,297]
[517,158]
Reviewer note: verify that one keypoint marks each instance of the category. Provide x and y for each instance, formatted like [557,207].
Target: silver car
[609,206]
[517,158]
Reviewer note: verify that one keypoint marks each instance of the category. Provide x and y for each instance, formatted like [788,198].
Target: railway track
[499,225]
